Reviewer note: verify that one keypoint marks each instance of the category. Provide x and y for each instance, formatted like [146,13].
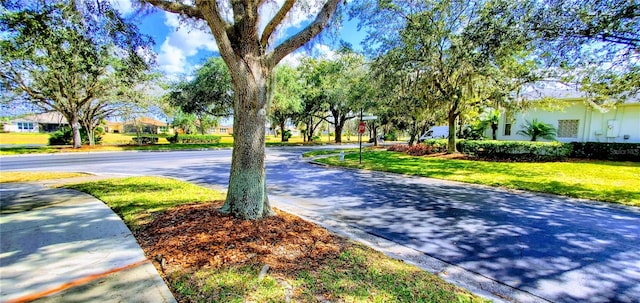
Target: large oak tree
[69,57]
[251,53]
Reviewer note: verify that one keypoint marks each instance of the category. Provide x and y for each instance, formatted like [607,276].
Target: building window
[567,128]
[508,122]
[25,125]
[222,130]
[507,129]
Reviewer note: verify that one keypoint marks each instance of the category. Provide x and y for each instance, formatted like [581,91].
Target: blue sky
[180,47]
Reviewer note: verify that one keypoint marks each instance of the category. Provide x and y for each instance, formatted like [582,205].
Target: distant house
[114,127]
[145,125]
[577,121]
[222,130]
[45,122]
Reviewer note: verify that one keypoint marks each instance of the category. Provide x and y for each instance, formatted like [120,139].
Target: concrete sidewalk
[60,245]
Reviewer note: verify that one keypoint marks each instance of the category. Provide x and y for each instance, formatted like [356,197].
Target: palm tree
[538,129]
[492,119]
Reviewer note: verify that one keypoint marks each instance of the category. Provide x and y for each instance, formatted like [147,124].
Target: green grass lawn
[608,181]
[12,176]
[24,138]
[322,152]
[137,199]
[359,274]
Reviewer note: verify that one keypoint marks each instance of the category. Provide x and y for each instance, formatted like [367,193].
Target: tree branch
[219,29]
[177,7]
[273,24]
[304,36]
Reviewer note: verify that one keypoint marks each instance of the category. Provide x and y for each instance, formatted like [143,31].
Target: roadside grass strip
[608,181]
[20,176]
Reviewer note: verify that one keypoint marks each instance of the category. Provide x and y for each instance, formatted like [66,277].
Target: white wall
[13,128]
[592,124]
[627,120]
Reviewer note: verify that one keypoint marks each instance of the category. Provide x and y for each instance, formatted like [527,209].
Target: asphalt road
[557,249]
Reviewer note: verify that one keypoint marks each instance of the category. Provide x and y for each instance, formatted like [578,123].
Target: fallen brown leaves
[190,237]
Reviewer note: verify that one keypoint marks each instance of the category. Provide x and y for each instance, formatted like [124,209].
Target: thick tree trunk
[451,148]
[247,194]
[75,130]
[91,134]
[338,131]
[310,129]
[283,137]
[375,134]
[494,131]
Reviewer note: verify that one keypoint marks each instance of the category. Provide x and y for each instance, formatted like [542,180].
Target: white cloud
[182,42]
[300,14]
[172,60]
[123,6]
[318,51]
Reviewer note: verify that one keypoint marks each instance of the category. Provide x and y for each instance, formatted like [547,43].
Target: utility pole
[361,128]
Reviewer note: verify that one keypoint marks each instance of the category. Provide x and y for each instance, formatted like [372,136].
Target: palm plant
[537,129]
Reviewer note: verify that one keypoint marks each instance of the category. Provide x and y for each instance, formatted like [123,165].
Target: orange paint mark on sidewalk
[77,282]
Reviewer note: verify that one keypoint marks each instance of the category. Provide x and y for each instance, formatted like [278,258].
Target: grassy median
[20,176]
[608,181]
[209,257]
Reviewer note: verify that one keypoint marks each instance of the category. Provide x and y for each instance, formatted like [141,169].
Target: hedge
[515,150]
[418,149]
[527,150]
[150,139]
[606,151]
[493,150]
[194,139]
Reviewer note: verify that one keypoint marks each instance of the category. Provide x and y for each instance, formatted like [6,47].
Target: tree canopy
[69,56]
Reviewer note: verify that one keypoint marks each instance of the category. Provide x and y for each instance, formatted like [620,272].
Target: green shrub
[472,133]
[537,129]
[64,136]
[606,151]
[194,139]
[391,136]
[146,139]
[437,144]
[515,150]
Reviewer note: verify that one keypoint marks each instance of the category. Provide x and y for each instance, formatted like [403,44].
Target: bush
[391,136]
[472,133]
[438,145]
[427,147]
[515,150]
[606,151]
[194,139]
[402,148]
[64,136]
[421,150]
[145,140]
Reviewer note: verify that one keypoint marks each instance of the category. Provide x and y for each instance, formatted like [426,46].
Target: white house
[44,122]
[21,125]
[577,120]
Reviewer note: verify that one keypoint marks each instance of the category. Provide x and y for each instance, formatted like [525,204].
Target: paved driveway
[554,248]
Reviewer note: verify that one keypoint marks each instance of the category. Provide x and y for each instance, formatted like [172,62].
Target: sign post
[361,129]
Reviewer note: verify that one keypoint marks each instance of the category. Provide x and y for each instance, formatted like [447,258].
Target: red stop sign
[361,127]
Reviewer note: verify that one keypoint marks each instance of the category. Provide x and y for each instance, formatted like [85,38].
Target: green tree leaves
[69,57]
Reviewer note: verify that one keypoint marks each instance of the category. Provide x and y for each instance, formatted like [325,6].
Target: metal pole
[360,137]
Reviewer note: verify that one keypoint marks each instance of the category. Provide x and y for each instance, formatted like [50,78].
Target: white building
[577,120]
